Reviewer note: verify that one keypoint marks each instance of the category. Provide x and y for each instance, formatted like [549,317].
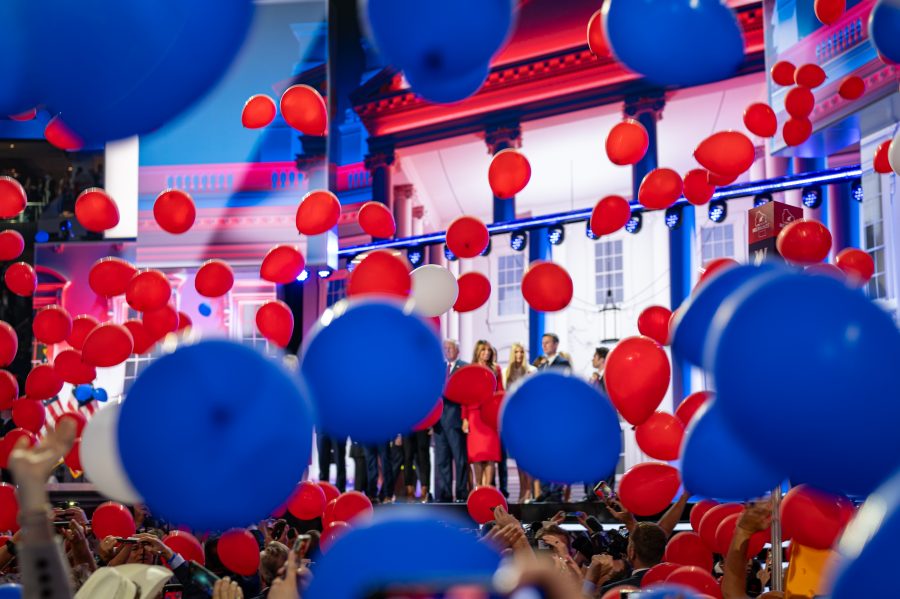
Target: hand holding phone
[202,578]
[301,545]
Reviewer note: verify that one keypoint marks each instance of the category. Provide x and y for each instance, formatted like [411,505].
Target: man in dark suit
[332,450]
[552,359]
[449,439]
[598,365]
[646,546]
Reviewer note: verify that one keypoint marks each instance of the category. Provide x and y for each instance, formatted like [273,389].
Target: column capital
[418,211]
[404,191]
[649,103]
[374,160]
[502,136]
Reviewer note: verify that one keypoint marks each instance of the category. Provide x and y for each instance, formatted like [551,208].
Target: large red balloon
[852,88]
[796,131]
[609,215]
[783,73]
[42,382]
[112,519]
[331,492]
[214,278]
[107,345]
[725,534]
[660,188]
[696,578]
[547,287]
[380,273]
[727,153]
[433,416]
[318,212]
[9,389]
[258,112]
[174,211]
[9,507]
[856,264]
[470,385]
[376,220]
[275,322]
[648,488]
[96,211]
[186,545]
[282,264]
[351,505]
[627,142]
[9,441]
[709,524]
[699,510]
[719,180]
[799,102]
[12,244]
[509,173]
[303,108]
[239,551]
[658,573]
[51,325]
[328,516]
[184,322]
[467,237]
[148,290]
[20,279]
[693,402]
[143,339]
[637,376]
[815,518]
[653,322]
[474,291]
[760,119]
[688,549]
[804,242]
[697,188]
[29,414]
[713,266]
[307,502]
[81,326]
[59,135]
[809,75]
[596,39]
[660,436]
[72,369]
[159,323]
[12,198]
[110,276]
[9,343]
[829,11]
[481,503]
[881,163]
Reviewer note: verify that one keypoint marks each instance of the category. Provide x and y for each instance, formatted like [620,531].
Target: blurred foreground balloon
[100,459]
[884,22]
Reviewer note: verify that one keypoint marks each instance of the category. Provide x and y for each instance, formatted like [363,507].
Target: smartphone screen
[203,578]
[301,545]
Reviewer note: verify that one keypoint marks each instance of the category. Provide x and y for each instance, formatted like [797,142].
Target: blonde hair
[516,371]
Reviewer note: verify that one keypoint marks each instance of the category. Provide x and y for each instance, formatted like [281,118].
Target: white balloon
[100,456]
[894,153]
[434,290]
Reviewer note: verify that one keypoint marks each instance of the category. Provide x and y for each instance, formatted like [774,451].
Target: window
[135,365]
[337,290]
[249,334]
[716,242]
[609,271]
[873,243]
[509,285]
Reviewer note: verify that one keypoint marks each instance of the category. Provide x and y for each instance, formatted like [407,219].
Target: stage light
[324,272]
[673,217]
[65,230]
[588,232]
[448,254]
[350,264]
[556,234]
[416,256]
[812,196]
[304,274]
[518,240]
[761,199]
[42,237]
[856,190]
[487,250]
[717,211]
[634,223]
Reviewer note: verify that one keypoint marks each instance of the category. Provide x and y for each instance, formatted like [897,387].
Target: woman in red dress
[483,442]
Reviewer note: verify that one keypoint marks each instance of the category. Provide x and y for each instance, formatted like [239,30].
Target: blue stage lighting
[556,234]
[448,254]
[42,237]
[856,190]
[812,196]
[673,217]
[304,274]
[487,250]
[634,223]
[761,199]
[518,240]
[718,211]
[324,272]
[588,232]
[416,256]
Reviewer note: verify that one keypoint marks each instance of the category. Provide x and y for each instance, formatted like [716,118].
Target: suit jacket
[559,361]
[451,418]
[633,580]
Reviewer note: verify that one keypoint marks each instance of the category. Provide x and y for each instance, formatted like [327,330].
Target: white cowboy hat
[125,582]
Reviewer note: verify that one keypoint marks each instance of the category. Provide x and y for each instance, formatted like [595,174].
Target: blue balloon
[10,591]
[398,545]
[669,591]
[884,29]
[204,309]
[100,394]
[806,369]
[83,392]
[717,464]
[587,447]
[446,90]
[222,414]
[377,399]
[17,94]
[676,42]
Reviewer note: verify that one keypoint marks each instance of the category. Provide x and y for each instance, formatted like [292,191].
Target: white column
[121,183]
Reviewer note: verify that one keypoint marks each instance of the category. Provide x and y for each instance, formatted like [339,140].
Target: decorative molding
[652,103]
[502,136]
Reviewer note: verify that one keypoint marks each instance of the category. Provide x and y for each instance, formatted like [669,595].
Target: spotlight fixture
[635,223]
[448,254]
[350,264]
[416,256]
[324,272]
[812,196]
[42,236]
[518,240]
[673,217]
[65,230]
[304,274]
[717,211]
[588,232]
[487,250]
[856,190]
[761,199]
[556,234]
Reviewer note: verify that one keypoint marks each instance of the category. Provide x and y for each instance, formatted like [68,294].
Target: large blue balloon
[675,42]
[446,90]
[401,546]
[376,398]
[10,591]
[669,591]
[884,29]
[807,370]
[560,429]
[17,93]
[201,423]
[717,464]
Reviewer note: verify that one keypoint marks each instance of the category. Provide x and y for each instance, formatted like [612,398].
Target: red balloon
[214,278]
[81,326]
[28,115]
[9,507]
[474,291]
[12,244]
[351,505]
[696,578]
[759,118]
[8,443]
[61,136]
[29,414]
[96,211]
[107,345]
[332,533]
[783,73]
[719,180]
[9,389]
[609,215]
[648,488]
[815,518]
[51,325]
[725,534]
[184,322]
[331,492]
[596,40]
[9,343]
[307,502]
[699,510]
[380,273]
[490,410]
[660,188]
[697,188]
[376,220]
[76,417]
[713,266]
[653,322]
[709,524]
[809,75]
[467,237]
[42,382]
[509,173]
[318,212]
[148,290]
[637,376]
[482,501]
[691,404]
[728,153]
[804,242]
[881,163]
[328,517]
[258,112]
[796,131]
[856,264]
[660,436]
[433,416]
[174,211]
[12,198]
[852,88]
[112,519]
[159,323]
[688,549]
[547,287]
[20,279]
[143,339]
[186,545]
[829,11]
[799,102]
[470,385]
[658,573]
[275,322]
[73,458]
[72,369]
[627,142]
[282,264]
[239,551]
[304,109]
[110,276]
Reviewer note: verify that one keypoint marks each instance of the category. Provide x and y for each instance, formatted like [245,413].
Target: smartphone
[61,524]
[604,491]
[173,591]
[301,545]
[127,539]
[203,578]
